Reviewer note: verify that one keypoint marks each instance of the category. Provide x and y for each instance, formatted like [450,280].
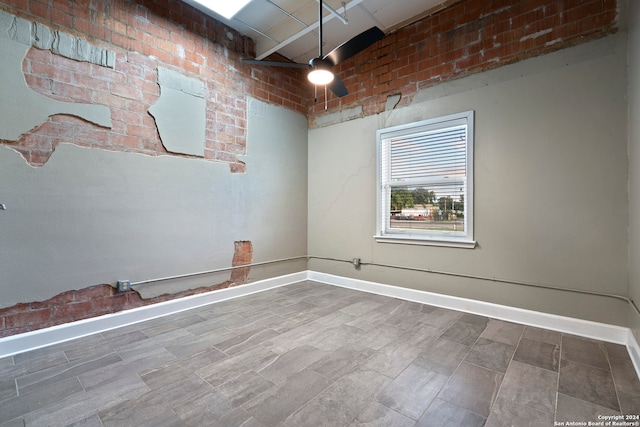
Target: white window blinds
[425,177]
[435,154]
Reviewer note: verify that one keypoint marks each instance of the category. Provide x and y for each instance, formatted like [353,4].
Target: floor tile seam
[437,396]
[364,362]
[555,389]
[485,367]
[308,402]
[561,355]
[538,340]
[593,403]
[495,399]
[519,341]
[615,385]
[555,412]
[584,364]
[493,402]
[587,364]
[247,404]
[461,408]
[524,405]
[375,399]
[183,422]
[17,393]
[586,402]
[461,360]
[536,366]
[530,364]
[224,351]
[50,377]
[213,387]
[230,396]
[39,408]
[84,388]
[515,349]
[97,414]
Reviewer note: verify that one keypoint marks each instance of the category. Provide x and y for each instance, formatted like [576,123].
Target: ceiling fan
[321,68]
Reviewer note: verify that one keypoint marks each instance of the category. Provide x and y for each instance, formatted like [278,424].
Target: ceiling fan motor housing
[321,72]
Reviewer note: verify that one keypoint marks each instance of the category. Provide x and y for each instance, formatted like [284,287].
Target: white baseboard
[60,333]
[634,351]
[45,337]
[584,328]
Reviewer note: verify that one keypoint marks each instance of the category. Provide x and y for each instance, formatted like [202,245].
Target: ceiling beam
[296,36]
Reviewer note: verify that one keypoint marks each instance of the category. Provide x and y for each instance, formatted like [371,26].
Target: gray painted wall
[634,162]
[550,187]
[90,217]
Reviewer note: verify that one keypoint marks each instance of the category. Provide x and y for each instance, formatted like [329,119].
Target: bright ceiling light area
[225,8]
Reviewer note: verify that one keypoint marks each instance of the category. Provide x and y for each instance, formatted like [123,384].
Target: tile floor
[311,354]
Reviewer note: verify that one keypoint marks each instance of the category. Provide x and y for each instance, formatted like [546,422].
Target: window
[425,182]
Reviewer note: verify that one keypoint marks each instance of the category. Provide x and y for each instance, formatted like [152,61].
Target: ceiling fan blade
[355,45]
[274,63]
[338,88]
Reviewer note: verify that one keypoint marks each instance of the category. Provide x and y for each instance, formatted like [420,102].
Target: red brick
[8,332]
[109,304]
[472,34]
[94,292]
[73,311]
[17,308]
[62,18]
[27,318]
[40,9]
[125,91]
[60,299]
[71,92]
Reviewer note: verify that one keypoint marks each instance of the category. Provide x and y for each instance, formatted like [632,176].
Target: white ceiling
[290,27]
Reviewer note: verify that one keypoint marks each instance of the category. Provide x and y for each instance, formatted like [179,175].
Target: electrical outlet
[124,285]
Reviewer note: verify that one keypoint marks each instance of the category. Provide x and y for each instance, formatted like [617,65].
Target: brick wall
[468,37]
[104,299]
[145,35]
[471,36]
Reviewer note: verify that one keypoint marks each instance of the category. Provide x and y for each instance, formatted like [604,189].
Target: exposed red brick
[60,299]
[8,332]
[243,255]
[108,304]
[27,318]
[468,37]
[18,308]
[94,292]
[103,299]
[73,311]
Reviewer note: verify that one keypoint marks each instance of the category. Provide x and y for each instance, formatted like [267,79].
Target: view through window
[425,180]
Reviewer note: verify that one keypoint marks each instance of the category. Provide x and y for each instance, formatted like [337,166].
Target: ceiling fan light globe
[320,76]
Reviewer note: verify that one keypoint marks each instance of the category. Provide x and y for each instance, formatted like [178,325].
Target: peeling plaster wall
[90,216]
[550,186]
[16,37]
[180,113]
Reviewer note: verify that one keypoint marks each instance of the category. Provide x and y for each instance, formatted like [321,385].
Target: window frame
[384,232]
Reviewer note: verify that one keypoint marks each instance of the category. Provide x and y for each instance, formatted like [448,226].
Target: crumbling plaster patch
[43,37]
[333,118]
[22,108]
[180,113]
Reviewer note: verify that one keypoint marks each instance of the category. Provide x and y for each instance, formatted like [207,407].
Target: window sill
[406,240]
